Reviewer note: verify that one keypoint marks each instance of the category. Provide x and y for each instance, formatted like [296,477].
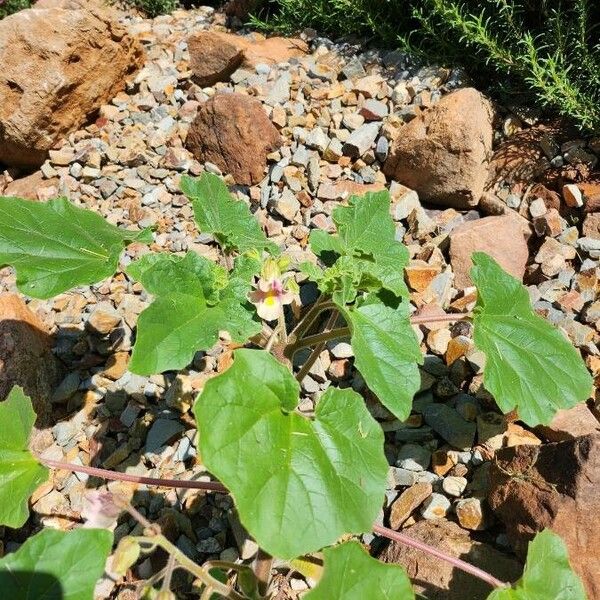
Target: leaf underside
[530,365]
[20,472]
[298,483]
[55,246]
[351,574]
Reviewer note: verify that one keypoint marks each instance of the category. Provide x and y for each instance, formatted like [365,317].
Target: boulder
[233,132]
[26,358]
[570,423]
[443,153]
[33,187]
[213,57]
[58,67]
[552,486]
[502,237]
[438,580]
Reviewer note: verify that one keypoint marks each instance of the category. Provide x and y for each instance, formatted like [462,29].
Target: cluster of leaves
[299,483]
[8,7]
[547,49]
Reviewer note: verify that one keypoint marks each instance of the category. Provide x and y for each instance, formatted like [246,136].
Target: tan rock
[233,132]
[591,226]
[591,196]
[46,87]
[502,237]
[273,50]
[213,57]
[552,486]
[32,187]
[438,580]
[443,154]
[408,501]
[26,357]
[116,365]
[471,514]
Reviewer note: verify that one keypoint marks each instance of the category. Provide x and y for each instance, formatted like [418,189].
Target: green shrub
[8,7]
[153,8]
[546,49]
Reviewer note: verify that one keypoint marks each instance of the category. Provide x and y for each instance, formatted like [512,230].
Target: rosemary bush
[545,52]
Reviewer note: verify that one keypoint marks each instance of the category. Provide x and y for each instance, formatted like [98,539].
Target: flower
[100,510]
[269,298]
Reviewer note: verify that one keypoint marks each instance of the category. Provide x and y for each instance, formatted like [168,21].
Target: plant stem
[273,337]
[456,562]
[262,571]
[317,349]
[312,340]
[441,318]
[309,318]
[211,486]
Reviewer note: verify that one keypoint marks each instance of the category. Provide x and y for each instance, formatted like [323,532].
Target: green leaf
[229,220]
[20,472]
[386,352]
[298,483]
[548,574]
[365,255]
[351,574]
[530,365]
[56,565]
[195,299]
[55,246]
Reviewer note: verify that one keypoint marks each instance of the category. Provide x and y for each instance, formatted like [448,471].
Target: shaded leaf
[56,565]
[195,299]
[386,353]
[229,220]
[530,365]
[20,473]
[55,246]
[298,483]
[548,574]
[351,574]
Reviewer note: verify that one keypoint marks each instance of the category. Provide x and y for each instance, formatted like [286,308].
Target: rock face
[553,486]
[213,57]
[443,153]
[233,132]
[26,359]
[58,66]
[503,237]
[438,580]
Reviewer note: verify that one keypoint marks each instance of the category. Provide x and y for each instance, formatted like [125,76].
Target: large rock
[437,579]
[443,153]
[26,358]
[33,187]
[58,67]
[552,486]
[213,56]
[233,132]
[503,237]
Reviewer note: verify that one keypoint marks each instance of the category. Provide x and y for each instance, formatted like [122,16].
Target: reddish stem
[441,318]
[219,487]
[456,562]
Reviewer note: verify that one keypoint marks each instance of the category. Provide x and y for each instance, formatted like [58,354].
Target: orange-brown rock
[32,187]
[26,358]
[214,56]
[58,67]
[443,153]
[552,486]
[408,501]
[233,132]
[568,424]
[502,237]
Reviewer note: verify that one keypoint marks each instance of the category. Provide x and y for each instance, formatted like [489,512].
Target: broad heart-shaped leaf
[56,565]
[386,352]
[548,574]
[298,483]
[530,365]
[351,574]
[368,256]
[195,299]
[229,220]
[20,473]
[55,246]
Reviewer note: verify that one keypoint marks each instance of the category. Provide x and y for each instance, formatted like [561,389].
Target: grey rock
[413,457]
[435,507]
[401,477]
[161,432]
[361,140]
[448,423]
[67,387]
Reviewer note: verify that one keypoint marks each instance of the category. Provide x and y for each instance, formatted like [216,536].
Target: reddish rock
[234,132]
[26,359]
[443,153]
[552,486]
[503,237]
[273,50]
[436,579]
[570,424]
[58,67]
[213,57]
[32,187]
[591,225]
[591,196]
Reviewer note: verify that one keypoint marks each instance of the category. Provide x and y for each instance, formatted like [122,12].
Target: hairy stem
[456,562]
[262,571]
[303,372]
[312,340]
[441,318]
[309,318]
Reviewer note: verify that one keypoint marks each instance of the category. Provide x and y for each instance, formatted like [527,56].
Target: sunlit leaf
[298,483]
[20,472]
[530,365]
[55,246]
